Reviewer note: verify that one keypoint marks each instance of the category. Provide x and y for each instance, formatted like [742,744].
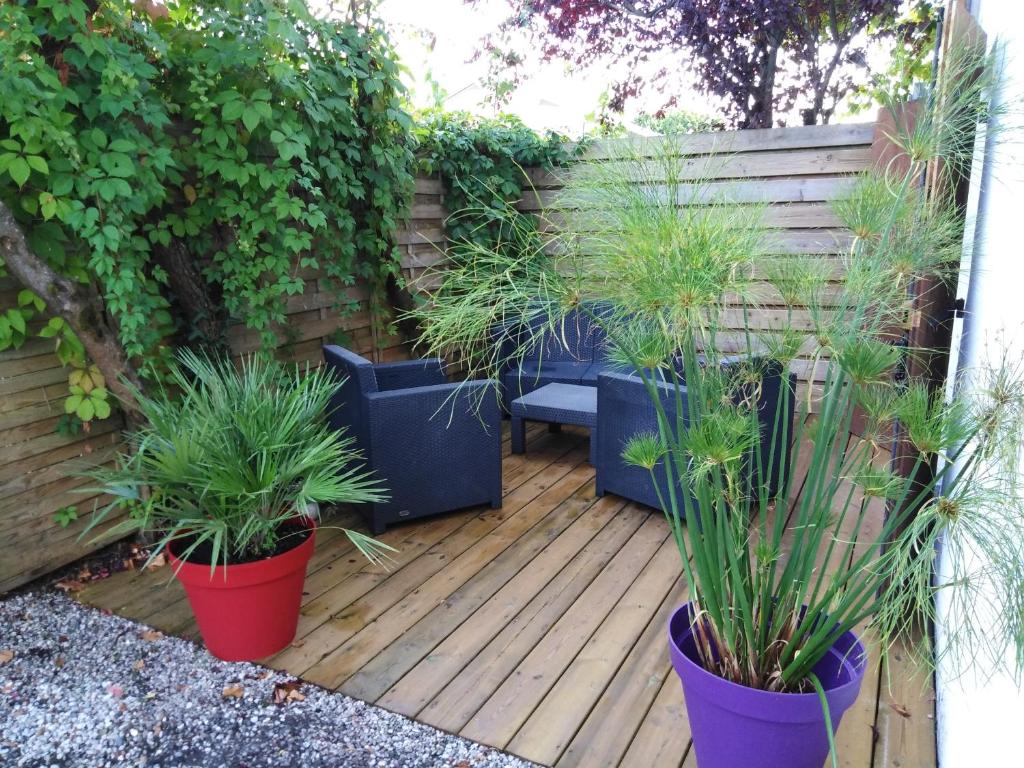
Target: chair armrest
[409,373]
[452,406]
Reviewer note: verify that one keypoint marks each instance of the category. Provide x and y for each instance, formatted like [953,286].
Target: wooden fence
[38,466]
[795,171]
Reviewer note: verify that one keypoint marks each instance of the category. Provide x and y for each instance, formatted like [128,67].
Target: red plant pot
[250,610]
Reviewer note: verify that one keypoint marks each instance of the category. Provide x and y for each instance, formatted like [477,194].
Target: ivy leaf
[52,328]
[72,403]
[102,408]
[250,119]
[47,205]
[27,297]
[86,409]
[62,184]
[17,319]
[19,171]
[232,110]
[39,164]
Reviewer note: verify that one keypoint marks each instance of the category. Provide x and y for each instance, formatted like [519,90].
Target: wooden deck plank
[906,714]
[466,693]
[548,731]
[627,700]
[539,627]
[462,647]
[664,735]
[476,591]
[518,587]
[514,701]
[343,661]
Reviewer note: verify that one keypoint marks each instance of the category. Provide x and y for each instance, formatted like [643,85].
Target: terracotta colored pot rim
[245,574]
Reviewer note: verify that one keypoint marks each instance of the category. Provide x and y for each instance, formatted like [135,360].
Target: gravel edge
[83,687]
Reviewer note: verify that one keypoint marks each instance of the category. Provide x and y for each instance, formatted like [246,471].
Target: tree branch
[630,7]
[80,307]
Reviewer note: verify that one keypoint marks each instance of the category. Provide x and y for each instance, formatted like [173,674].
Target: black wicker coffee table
[555,404]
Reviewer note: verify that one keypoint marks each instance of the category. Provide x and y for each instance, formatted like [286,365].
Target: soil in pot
[289,536]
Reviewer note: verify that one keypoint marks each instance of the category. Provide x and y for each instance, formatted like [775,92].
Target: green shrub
[482,163]
[231,457]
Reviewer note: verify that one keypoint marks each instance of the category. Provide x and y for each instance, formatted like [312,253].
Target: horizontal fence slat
[756,140]
[810,162]
[779,190]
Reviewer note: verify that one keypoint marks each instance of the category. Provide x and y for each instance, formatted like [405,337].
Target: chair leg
[377,526]
[518,433]
[554,427]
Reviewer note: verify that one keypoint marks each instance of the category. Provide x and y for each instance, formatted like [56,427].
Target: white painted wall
[981,718]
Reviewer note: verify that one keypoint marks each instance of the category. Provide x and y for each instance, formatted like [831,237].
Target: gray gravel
[84,688]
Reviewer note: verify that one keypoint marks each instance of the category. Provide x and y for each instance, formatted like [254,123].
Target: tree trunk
[79,306]
[201,313]
[760,111]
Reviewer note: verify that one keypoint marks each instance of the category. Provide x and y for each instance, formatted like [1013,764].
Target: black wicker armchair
[434,446]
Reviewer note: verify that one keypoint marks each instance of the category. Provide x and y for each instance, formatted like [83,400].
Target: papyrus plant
[687,268]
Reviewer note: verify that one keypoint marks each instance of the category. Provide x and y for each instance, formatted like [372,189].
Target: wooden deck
[538,628]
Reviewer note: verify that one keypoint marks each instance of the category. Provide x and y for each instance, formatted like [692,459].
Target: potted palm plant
[226,476]
[765,644]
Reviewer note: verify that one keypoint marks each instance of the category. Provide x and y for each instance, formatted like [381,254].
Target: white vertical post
[980,716]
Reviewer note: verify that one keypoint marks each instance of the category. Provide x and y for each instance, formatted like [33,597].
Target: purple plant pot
[733,725]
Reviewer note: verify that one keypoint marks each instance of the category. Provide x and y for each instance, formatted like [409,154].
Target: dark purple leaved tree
[760,56]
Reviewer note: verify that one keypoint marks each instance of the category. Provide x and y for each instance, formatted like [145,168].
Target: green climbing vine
[483,165]
[194,168]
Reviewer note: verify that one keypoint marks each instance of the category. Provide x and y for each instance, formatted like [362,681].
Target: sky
[439,37]
[436,41]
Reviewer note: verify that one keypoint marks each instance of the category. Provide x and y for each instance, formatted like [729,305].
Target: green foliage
[261,140]
[680,121]
[230,455]
[297,145]
[482,164]
[673,267]
[86,158]
[68,425]
[65,516]
[911,59]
